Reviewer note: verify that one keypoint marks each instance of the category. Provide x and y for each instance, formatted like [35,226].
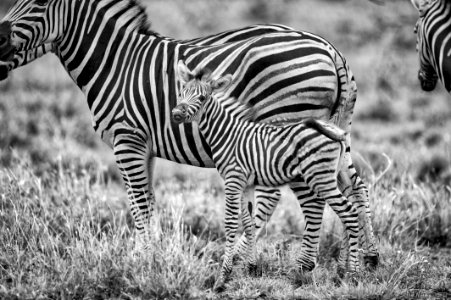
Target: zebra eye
[202,98]
[42,2]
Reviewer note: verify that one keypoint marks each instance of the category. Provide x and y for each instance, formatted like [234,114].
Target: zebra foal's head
[427,75]
[197,89]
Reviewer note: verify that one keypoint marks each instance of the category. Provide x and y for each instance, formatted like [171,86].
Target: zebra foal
[247,153]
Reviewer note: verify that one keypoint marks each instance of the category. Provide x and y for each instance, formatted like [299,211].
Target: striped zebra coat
[247,153]
[127,73]
[433,31]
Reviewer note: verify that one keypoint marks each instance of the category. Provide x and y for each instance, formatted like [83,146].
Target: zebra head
[426,74]
[197,89]
[29,25]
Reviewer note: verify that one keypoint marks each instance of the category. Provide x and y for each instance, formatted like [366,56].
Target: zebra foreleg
[132,157]
[250,256]
[266,199]
[313,209]
[234,188]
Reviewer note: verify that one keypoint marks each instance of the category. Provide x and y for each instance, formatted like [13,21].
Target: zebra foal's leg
[234,188]
[313,210]
[250,256]
[349,217]
[323,181]
[266,199]
[135,165]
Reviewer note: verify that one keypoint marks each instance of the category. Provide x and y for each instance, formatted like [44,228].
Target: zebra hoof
[219,286]
[337,280]
[300,278]
[254,270]
[341,272]
[371,262]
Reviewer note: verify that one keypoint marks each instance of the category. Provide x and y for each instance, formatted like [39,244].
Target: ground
[66,231]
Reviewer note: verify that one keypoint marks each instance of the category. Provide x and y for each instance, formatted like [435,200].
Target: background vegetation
[65,228]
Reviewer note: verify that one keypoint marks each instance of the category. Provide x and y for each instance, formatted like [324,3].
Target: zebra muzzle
[3,72]
[427,81]
[6,49]
[178,115]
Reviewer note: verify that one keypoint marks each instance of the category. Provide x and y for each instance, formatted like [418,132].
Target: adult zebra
[433,31]
[127,73]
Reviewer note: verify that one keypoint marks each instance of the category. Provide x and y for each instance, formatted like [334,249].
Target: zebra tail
[328,129]
[342,115]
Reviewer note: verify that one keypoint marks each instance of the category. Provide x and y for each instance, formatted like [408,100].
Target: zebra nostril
[3,41]
[178,115]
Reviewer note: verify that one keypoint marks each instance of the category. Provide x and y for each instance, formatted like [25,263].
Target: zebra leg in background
[250,256]
[234,188]
[313,210]
[356,191]
[135,164]
[266,199]
[343,258]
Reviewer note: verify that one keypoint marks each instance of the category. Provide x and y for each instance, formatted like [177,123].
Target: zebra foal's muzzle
[428,81]
[7,50]
[179,113]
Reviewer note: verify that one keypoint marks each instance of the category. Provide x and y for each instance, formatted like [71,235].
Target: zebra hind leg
[266,199]
[313,209]
[325,185]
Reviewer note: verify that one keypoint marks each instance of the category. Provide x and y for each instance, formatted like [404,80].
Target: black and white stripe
[247,153]
[127,73]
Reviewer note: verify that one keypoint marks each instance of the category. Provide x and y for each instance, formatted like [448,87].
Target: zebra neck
[221,130]
[98,47]
[92,31]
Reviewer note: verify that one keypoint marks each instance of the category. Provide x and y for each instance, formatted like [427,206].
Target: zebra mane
[238,109]
[136,13]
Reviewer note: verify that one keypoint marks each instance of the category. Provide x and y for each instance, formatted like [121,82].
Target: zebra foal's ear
[221,83]
[184,73]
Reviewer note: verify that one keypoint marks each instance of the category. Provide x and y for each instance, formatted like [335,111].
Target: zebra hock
[247,153]
[433,30]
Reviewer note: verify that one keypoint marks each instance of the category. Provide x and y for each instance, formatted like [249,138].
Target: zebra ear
[422,5]
[184,73]
[416,4]
[221,84]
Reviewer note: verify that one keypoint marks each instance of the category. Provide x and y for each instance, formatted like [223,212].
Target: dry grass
[65,226]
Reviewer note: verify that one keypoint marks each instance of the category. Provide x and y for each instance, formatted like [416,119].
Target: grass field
[65,227]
